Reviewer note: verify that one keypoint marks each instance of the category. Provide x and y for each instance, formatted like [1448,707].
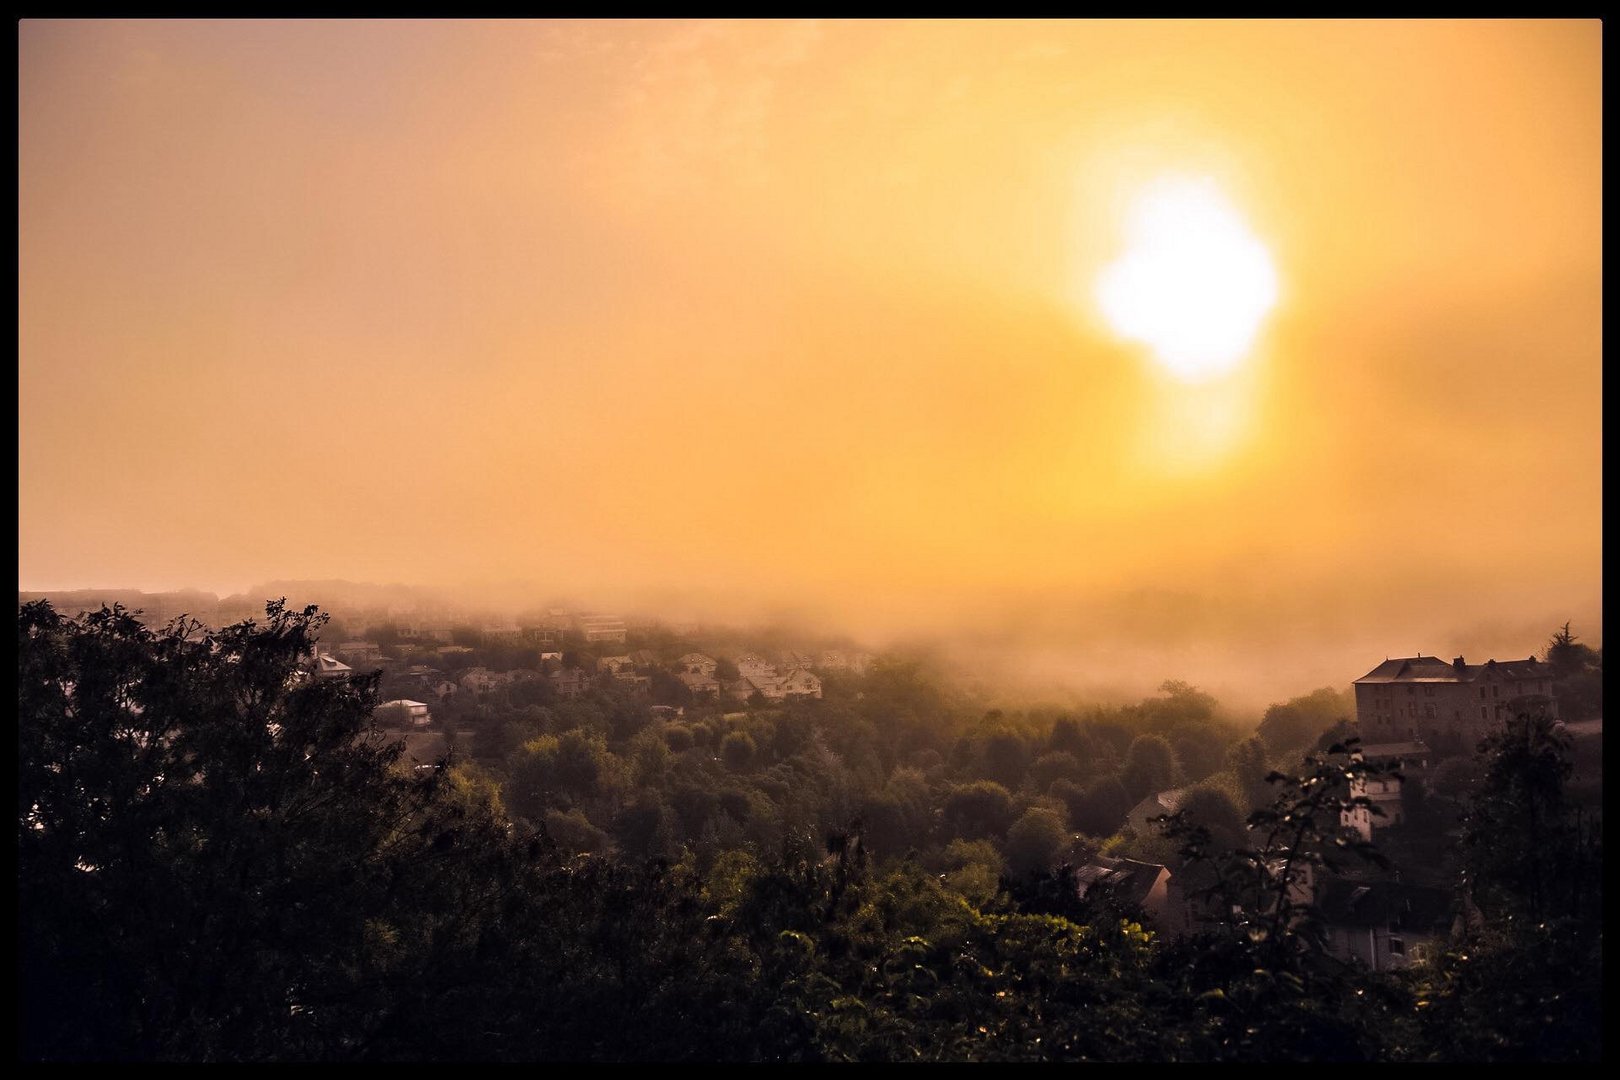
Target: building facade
[1424,697]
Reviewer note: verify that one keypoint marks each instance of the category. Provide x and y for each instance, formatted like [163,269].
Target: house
[753,667]
[1140,884]
[743,689]
[800,684]
[480,680]
[404,712]
[1425,697]
[1396,762]
[623,670]
[1140,818]
[695,663]
[665,712]
[441,688]
[324,666]
[1193,903]
[570,682]
[1385,924]
[358,653]
[699,683]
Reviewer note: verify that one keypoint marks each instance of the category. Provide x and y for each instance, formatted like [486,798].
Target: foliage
[218,860]
[1150,766]
[1298,722]
[1035,841]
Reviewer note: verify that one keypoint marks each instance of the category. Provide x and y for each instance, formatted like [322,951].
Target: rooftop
[1432,669]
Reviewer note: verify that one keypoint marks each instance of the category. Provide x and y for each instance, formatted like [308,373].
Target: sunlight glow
[1194,283]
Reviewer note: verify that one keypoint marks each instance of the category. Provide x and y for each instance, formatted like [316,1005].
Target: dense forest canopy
[222,857]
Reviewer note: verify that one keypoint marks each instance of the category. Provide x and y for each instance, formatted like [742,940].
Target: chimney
[1459,665]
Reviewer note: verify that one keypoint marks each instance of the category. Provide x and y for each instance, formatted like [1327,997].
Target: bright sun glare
[1193,284]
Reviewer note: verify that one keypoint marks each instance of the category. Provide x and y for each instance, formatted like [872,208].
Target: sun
[1194,283]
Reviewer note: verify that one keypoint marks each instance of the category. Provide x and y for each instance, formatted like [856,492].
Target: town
[672,746]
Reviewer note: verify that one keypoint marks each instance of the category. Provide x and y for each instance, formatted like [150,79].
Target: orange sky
[799,316]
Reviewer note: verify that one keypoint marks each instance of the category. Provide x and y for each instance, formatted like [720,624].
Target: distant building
[405,713]
[325,666]
[598,628]
[1143,885]
[570,682]
[1425,697]
[480,680]
[696,663]
[753,667]
[1401,760]
[698,683]
[1385,924]
[1140,818]
[799,683]
[358,653]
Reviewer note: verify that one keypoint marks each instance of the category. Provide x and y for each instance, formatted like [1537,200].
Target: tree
[1519,837]
[1103,807]
[1297,723]
[1150,765]
[1004,756]
[1035,841]
[1215,810]
[980,809]
[1182,703]
[737,751]
[1577,676]
[1247,762]
[1200,748]
[217,859]
[1525,983]
[1261,957]
[1057,765]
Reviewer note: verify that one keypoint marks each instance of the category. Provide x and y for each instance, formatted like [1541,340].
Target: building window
[1397,946]
[1483,714]
[1482,693]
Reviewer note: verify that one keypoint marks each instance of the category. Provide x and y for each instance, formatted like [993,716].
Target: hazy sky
[802,316]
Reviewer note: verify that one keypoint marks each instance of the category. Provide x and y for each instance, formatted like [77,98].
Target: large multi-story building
[597,628]
[1424,697]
